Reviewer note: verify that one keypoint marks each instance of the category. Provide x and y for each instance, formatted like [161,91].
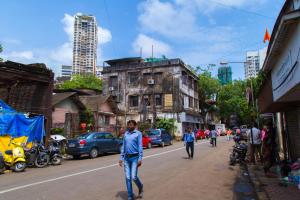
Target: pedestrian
[228,133]
[207,132]
[268,148]
[189,139]
[213,137]
[254,138]
[131,158]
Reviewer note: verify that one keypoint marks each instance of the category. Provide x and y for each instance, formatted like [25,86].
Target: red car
[200,134]
[146,142]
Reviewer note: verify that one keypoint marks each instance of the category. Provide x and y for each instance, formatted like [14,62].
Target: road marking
[85,172]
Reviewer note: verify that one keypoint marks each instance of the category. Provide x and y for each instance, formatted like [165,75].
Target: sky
[200,32]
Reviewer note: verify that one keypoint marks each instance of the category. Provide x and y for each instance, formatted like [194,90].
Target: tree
[232,100]
[167,124]
[208,88]
[1,49]
[82,82]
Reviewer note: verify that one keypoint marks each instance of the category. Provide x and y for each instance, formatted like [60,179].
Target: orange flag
[267,36]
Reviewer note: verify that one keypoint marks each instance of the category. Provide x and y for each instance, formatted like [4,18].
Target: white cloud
[104,35]
[63,54]
[28,55]
[146,42]
[68,22]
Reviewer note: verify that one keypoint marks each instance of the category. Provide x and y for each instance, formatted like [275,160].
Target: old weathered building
[27,88]
[147,90]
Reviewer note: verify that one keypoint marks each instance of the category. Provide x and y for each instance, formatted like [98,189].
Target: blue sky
[200,32]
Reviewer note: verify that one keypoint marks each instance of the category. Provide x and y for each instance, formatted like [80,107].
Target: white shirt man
[256,136]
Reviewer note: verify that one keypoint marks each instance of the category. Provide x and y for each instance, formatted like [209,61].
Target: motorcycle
[37,156]
[2,166]
[239,152]
[54,152]
[14,158]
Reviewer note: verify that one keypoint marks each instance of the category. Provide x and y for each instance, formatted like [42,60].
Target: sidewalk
[270,188]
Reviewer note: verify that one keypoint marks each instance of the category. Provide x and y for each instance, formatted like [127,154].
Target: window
[108,136]
[106,120]
[191,102]
[147,101]
[158,77]
[146,77]
[113,82]
[133,78]
[133,101]
[158,100]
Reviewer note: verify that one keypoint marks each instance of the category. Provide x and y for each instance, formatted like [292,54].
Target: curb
[258,185]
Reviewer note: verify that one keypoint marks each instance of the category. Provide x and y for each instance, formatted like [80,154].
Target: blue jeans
[131,170]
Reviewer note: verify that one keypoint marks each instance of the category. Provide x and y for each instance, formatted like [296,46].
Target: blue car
[160,137]
[93,144]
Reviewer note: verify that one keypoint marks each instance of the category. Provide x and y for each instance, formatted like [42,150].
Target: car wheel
[162,144]
[149,146]
[93,153]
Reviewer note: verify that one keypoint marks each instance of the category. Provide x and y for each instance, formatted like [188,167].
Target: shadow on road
[122,195]
[243,188]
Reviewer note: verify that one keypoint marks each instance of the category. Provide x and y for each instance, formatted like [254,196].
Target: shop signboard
[286,73]
[168,100]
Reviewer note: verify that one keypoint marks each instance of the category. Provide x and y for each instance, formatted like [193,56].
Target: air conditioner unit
[111,88]
[150,81]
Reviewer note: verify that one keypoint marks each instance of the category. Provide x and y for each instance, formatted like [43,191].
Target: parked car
[147,141]
[160,137]
[200,134]
[93,144]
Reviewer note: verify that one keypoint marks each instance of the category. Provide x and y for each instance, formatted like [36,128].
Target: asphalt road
[165,173]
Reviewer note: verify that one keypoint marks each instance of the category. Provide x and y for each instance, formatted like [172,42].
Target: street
[165,173]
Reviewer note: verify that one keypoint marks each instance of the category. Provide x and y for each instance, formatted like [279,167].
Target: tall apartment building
[85,44]
[155,89]
[66,71]
[254,62]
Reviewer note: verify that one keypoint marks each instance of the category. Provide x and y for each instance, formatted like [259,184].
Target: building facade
[280,92]
[254,62]
[146,91]
[66,71]
[85,44]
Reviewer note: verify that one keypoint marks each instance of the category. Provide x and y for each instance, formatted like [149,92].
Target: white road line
[85,172]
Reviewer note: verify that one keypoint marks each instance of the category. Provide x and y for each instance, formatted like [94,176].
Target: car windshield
[83,136]
[153,132]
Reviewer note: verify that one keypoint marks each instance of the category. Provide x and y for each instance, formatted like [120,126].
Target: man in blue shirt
[213,136]
[131,156]
[189,138]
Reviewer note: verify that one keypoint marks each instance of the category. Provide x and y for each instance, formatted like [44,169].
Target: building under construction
[225,75]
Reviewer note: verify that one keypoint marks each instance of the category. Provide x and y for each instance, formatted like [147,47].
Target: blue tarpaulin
[19,124]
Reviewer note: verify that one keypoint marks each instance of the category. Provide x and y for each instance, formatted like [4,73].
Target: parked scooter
[239,151]
[14,158]
[37,156]
[54,152]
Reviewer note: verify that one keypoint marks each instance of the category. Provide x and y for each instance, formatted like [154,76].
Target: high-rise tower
[85,44]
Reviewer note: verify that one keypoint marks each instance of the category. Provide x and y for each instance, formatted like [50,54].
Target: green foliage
[142,126]
[232,100]
[82,82]
[208,86]
[57,131]
[167,124]
[87,117]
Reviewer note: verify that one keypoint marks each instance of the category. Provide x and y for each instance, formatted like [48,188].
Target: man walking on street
[254,136]
[189,139]
[213,136]
[131,157]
